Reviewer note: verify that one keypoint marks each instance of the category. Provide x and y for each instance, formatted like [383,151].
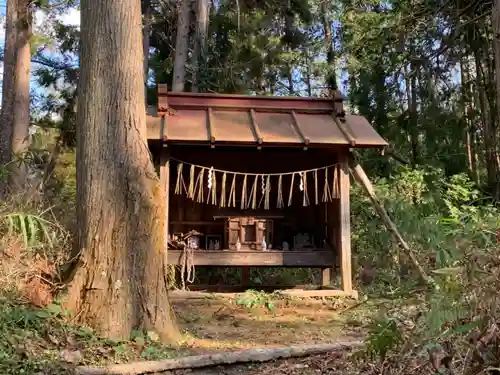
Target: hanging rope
[255,174]
[187,266]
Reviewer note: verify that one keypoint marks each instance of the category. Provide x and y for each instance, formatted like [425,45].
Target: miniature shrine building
[264,181]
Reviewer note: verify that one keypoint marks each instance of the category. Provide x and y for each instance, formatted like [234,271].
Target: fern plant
[33,229]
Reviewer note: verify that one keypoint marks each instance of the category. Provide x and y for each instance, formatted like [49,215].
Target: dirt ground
[221,324]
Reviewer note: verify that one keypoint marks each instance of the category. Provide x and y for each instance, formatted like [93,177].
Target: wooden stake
[361,177]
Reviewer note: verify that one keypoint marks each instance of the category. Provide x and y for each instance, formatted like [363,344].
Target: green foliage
[33,229]
[252,298]
[384,337]
[41,340]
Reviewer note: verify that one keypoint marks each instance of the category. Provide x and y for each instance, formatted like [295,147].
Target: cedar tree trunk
[7,113]
[200,40]
[119,283]
[21,108]
[181,45]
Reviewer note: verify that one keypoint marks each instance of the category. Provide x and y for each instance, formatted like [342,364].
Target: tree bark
[492,151]
[331,78]
[491,155]
[181,46]
[21,108]
[7,113]
[119,283]
[146,29]
[200,41]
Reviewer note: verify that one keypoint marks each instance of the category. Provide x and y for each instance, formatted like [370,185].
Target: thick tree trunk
[119,283]
[7,113]
[181,45]
[21,108]
[200,41]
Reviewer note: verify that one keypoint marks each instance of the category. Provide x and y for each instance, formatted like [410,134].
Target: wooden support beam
[325,277]
[361,177]
[298,130]
[343,239]
[210,127]
[255,128]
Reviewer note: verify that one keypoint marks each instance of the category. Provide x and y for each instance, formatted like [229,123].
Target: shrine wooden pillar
[343,230]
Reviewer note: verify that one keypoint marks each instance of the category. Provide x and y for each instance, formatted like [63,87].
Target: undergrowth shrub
[32,246]
[453,328]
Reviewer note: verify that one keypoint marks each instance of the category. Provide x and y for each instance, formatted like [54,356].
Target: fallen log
[216,359]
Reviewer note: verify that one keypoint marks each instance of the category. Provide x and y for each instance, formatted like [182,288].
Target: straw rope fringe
[223,191]
[280,203]
[190,192]
[244,193]
[232,193]
[253,199]
[179,184]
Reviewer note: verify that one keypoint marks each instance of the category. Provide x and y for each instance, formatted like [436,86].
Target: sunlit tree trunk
[7,113]
[119,283]
[21,108]
[200,41]
[181,46]
[16,93]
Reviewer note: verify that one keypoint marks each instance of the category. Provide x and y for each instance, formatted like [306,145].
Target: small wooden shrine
[260,181]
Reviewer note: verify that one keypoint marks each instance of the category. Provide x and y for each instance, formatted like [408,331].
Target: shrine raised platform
[257,258]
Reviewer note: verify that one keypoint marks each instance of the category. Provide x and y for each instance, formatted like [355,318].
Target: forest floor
[258,320]
[43,341]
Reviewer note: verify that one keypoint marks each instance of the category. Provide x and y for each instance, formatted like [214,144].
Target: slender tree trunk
[119,283]
[331,78]
[7,113]
[495,19]
[181,45]
[465,93]
[21,120]
[491,157]
[200,41]
[411,94]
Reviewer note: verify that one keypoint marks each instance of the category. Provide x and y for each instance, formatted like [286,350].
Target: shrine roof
[221,119]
